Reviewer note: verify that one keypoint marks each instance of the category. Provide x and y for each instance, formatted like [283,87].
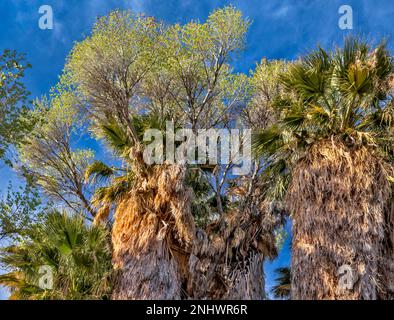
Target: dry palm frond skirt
[158,253]
[227,258]
[338,199]
[151,225]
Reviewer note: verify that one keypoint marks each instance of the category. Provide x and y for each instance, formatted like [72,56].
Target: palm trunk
[227,258]
[159,254]
[338,199]
[387,263]
[247,282]
[151,226]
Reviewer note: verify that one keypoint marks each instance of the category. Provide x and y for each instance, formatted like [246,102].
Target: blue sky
[282,29]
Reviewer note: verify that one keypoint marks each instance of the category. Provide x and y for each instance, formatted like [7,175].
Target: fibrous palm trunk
[338,199]
[152,225]
[158,253]
[386,266]
[227,257]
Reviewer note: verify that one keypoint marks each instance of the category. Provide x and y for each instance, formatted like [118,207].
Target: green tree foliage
[13,98]
[135,73]
[49,154]
[132,65]
[19,209]
[78,257]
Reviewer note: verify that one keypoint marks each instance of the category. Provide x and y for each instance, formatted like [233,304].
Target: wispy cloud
[282,11]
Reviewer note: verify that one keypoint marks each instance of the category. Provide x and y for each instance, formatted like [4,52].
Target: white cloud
[281,12]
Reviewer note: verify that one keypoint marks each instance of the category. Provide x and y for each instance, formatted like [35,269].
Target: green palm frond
[198,181]
[283,287]
[98,172]
[354,49]
[358,81]
[381,119]
[144,122]
[78,255]
[308,76]
[294,120]
[267,141]
[276,177]
[114,192]
[11,280]
[383,60]
[115,135]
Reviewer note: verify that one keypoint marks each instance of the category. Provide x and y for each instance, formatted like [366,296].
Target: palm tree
[152,214]
[333,142]
[59,258]
[134,73]
[282,288]
[224,256]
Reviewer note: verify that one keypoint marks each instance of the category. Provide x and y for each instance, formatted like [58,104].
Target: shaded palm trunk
[338,199]
[160,254]
[227,257]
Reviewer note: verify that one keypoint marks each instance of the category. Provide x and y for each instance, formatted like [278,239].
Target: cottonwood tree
[18,207]
[49,155]
[132,73]
[18,210]
[13,98]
